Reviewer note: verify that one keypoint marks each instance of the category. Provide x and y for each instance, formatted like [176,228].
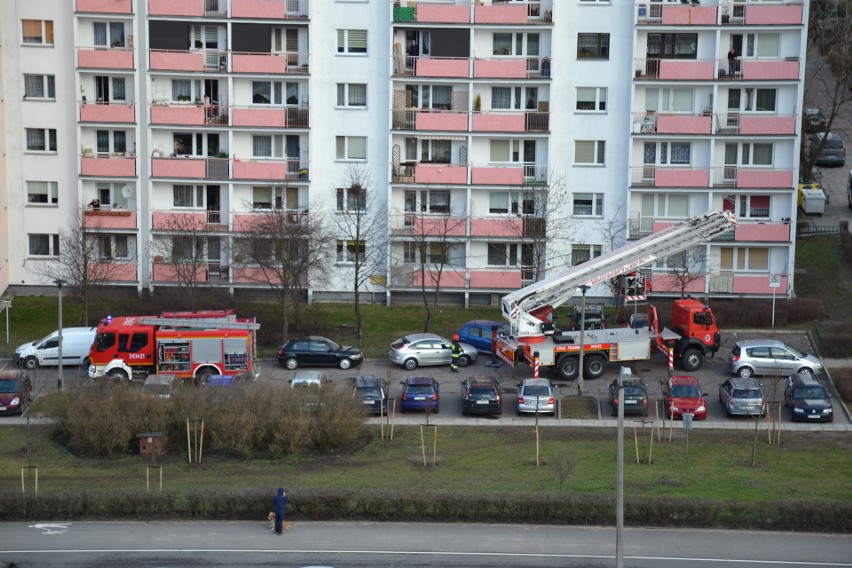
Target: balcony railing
[122,113]
[105,58]
[484,12]
[291,63]
[742,12]
[270,9]
[210,60]
[271,116]
[105,6]
[752,177]
[118,165]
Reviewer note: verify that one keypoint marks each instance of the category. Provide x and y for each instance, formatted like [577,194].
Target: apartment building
[500,141]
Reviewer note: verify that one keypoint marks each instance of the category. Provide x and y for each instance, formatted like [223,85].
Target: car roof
[162,379]
[631,382]
[744,382]
[805,379]
[368,381]
[221,381]
[482,379]
[419,380]
[13,374]
[308,376]
[411,337]
[760,343]
[536,382]
[684,380]
[828,135]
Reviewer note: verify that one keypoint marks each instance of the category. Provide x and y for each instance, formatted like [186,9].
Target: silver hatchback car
[770,357]
[536,396]
[422,349]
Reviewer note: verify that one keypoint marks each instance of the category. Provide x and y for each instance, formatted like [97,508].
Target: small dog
[271,518]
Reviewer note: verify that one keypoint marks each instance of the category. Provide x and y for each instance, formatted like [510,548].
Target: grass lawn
[497,460]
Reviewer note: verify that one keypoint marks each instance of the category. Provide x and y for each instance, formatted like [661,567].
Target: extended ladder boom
[519,306]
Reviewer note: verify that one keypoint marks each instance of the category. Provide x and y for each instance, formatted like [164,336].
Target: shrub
[843,381]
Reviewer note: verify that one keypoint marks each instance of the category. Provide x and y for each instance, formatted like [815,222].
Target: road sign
[775,281]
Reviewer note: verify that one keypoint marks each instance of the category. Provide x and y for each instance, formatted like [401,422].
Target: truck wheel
[567,367]
[595,365]
[117,375]
[203,375]
[691,360]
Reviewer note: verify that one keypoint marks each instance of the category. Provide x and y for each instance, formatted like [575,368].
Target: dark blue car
[420,393]
[478,333]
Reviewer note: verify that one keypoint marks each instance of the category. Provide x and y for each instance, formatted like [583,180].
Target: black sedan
[315,351]
[635,396]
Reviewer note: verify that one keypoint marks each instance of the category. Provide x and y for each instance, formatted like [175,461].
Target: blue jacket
[279,502]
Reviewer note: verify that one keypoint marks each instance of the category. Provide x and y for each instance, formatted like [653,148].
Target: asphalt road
[413,545]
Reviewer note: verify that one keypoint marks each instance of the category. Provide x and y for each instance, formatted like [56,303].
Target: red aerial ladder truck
[533,334]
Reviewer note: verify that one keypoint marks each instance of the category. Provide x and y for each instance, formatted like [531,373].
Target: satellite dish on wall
[127,191]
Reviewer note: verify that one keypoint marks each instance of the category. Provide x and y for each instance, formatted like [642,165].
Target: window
[118,139]
[502,44]
[187,248]
[274,92]
[505,151]
[765,100]
[591,98]
[277,197]
[435,151]
[502,254]
[498,202]
[409,252]
[182,195]
[181,90]
[351,94]
[582,253]
[669,100]
[767,44]
[352,198]
[351,148]
[266,146]
[116,34]
[665,206]
[41,139]
[430,201]
[37,32]
[39,87]
[351,41]
[438,253]
[589,151]
[762,155]
[747,206]
[745,259]
[110,194]
[350,251]
[680,152]
[43,245]
[45,192]
[501,98]
[588,204]
[672,46]
[593,46]
[109,88]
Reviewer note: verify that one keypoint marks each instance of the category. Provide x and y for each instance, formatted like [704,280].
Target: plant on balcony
[477,103]
[183,98]
[222,154]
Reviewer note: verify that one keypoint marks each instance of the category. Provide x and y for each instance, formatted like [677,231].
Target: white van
[76,344]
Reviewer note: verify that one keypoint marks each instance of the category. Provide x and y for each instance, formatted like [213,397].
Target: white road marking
[51,528]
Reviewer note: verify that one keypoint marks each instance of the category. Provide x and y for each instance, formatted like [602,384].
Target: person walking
[455,353]
[279,507]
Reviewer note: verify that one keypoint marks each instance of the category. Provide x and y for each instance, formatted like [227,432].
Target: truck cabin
[118,336]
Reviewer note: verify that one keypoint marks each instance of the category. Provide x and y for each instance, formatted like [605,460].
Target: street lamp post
[60,382]
[583,288]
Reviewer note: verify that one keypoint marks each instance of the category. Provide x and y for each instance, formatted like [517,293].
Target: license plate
[631,401]
[368,402]
[809,415]
[2,408]
[419,398]
[481,402]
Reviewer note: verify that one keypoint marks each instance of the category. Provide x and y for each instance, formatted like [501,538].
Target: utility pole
[619,479]
[60,382]
[583,288]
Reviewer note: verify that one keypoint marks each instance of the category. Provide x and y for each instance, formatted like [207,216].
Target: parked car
[372,392]
[681,395]
[833,152]
[595,317]
[161,386]
[815,120]
[420,393]
[742,396]
[807,399]
[770,357]
[76,345]
[307,385]
[635,396]
[315,351]
[478,333]
[536,396]
[481,395]
[422,349]
[16,389]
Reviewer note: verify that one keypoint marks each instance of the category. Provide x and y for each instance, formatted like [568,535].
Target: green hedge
[418,506]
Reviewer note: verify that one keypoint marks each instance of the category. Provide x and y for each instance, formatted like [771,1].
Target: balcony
[512,68]
[438,67]
[272,63]
[194,221]
[511,121]
[755,124]
[270,9]
[190,167]
[651,175]
[512,227]
[449,277]
[728,282]
[505,279]
[208,60]
[108,166]
[504,13]
[166,271]
[271,170]
[191,8]
[274,117]
[786,69]
[441,120]
[670,15]
[109,219]
[669,123]
[118,113]
[775,14]
[246,222]
[189,114]
[103,58]
[114,270]
[676,69]
[762,231]
[104,6]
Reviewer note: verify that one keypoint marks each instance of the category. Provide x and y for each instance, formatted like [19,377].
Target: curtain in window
[685,45]
[116,34]
[34,85]
[35,139]
[182,195]
[262,146]
[99,30]
[502,44]
[39,245]
[765,100]
[439,201]
[118,89]
[501,97]
[680,153]
[121,246]
[532,44]
[292,94]
[498,202]
[762,155]
[181,89]
[357,94]
[103,141]
[119,141]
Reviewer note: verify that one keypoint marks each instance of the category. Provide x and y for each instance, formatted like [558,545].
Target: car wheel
[291,363]
[344,363]
[691,360]
[595,365]
[745,372]
[31,363]
[409,364]
[806,371]
[567,367]
[464,361]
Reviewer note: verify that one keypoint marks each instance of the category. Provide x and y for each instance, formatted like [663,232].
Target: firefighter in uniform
[455,353]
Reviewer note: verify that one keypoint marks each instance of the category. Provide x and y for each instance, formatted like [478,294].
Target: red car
[16,390]
[682,394]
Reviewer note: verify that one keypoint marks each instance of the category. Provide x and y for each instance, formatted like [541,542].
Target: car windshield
[9,385]
[373,392]
[685,391]
[536,391]
[399,343]
[334,346]
[809,392]
[746,393]
[481,390]
[635,391]
[419,389]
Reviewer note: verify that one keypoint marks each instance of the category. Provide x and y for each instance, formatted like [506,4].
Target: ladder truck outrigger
[534,335]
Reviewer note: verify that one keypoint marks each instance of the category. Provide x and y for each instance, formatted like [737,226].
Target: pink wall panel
[447,278]
[682,177]
[168,220]
[500,68]
[177,114]
[259,170]
[764,178]
[106,219]
[259,116]
[105,6]
[178,167]
[484,227]
[498,176]
[440,173]
[253,275]
[443,67]
[440,226]
[689,15]
[106,58]
[108,113]
[757,284]
[667,283]
[683,124]
[767,124]
[118,166]
[177,60]
[442,14]
[496,14]
[271,63]
[451,121]
[767,232]
[509,278]
[261,9]
[176,7]
[773,15]
[686,70]
[498,122]
[755,69]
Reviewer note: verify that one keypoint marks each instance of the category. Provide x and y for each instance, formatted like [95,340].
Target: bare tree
[84,261]
[829,71]
[364,235]
[686,267]
[288,252]
[179,247]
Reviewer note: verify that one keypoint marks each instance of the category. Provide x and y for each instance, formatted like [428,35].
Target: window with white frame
[109,89]
[111,194]
[352,95]
[501,98]
[436,151]
[351,147]
[275,197]
[502,254]
[589,151]
[410,252]
[588,204]
[274,93]
[41,139]
[764,100]
[593,46]
[37,32]
[582,253]
[504,202]
[351,41]
[351,198]
[665,206]
[427,201]
[591,99]
[43,244]
[505,43]
[505,151]
[762,154]
[181,90]
[39,87]
[745,259]
[187,248]
[42,192]
[113,247]
[108,34]
[768,44]
[182,195]
[108,141]
[680,153]
[747,206]
[678,99]
[350,251]
[267,146]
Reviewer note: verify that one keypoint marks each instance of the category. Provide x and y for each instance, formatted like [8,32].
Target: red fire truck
[189,345]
